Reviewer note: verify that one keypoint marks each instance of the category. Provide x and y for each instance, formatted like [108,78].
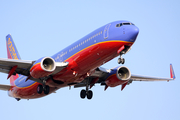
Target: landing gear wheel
[83,94]
[121,60]
[39,89]
[46,90]
[89,94]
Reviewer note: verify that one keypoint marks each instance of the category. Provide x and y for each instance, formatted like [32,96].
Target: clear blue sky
[42,28]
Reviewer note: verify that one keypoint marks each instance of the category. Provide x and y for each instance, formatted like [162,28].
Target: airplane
[77,65]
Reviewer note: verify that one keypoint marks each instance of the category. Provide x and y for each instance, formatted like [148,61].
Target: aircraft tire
[46,91]
[39,89]
[89,94]
[119,60]
[83,94]
[122,60]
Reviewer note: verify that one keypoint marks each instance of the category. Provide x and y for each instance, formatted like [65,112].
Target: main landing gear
[44,88]
[86,92]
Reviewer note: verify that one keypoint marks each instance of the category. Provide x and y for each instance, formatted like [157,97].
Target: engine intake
[48,64]
[123,73]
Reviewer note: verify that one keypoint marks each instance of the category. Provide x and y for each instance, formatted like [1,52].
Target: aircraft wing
[5,87]
[147,78]
[100,75]
[23,67]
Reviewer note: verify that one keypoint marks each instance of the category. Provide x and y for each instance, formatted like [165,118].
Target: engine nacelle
[43,67]
[123,73]
[118,76]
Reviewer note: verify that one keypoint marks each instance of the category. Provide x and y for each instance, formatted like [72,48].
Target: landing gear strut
[86,92]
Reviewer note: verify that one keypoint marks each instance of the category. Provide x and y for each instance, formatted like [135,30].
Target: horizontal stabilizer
[5,87]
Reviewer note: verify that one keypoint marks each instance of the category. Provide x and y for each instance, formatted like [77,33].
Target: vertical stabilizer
[12,53]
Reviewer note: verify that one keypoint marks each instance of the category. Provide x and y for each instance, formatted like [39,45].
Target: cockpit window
[126,23]
[117,25]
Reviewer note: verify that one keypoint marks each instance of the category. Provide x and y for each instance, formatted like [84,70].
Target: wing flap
[5,87]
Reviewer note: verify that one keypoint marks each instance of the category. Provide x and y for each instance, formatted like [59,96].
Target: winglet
[172,72]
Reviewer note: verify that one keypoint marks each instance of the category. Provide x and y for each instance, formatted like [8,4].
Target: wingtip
[172,72]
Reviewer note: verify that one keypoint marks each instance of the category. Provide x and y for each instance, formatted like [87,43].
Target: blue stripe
[20,82]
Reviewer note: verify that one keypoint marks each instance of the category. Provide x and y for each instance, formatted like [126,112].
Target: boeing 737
[77,65]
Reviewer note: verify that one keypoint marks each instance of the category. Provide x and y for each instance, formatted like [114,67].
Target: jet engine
[43,67]
[118,76]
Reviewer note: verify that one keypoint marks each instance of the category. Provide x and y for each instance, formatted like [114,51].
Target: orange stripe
[34,65]
[97,44]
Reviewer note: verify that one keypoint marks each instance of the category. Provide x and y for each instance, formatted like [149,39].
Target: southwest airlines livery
[77,65]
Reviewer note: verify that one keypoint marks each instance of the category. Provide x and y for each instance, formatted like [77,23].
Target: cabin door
[106,31]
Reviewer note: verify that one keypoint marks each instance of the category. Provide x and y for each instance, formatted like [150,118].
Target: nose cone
[132,32]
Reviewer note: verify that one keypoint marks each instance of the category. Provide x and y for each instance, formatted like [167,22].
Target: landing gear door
[106,31]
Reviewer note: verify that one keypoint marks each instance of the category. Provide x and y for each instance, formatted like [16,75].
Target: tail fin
[172,72]
[11,48]
[12,53]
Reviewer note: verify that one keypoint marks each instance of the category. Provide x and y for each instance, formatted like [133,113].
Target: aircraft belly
[27,93]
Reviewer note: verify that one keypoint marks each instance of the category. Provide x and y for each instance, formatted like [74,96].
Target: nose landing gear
[123,50]
[121,60]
